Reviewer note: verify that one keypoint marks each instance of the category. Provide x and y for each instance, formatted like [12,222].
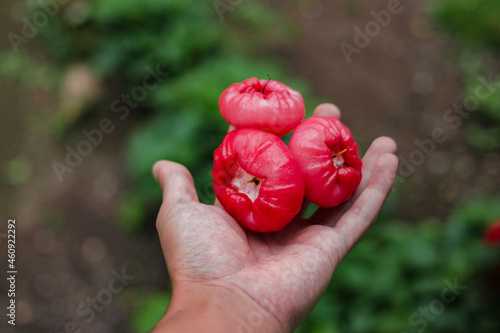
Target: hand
[225,278]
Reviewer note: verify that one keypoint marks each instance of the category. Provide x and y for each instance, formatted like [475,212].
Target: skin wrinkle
[318,247]
[273,237]
[176,210]
[331,235]
[248,254]
[173,175]
[191,261]
[256,244]
[268,243]
[269,311]
[337,239]
[203,279]
[343,249]
[315,247]
[166,215]
[170,211]
[261,259]
[221,214]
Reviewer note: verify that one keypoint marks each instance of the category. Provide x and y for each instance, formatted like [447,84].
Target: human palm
[283,273]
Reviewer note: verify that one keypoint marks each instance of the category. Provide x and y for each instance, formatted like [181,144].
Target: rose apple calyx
[262,104]
[257,180]
[328,158]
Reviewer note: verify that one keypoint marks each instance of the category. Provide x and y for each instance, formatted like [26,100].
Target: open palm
[283,274]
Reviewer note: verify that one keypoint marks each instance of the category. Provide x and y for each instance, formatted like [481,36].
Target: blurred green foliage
[28,71]
[475,25]
[149,310]
[398,268]
[483,132]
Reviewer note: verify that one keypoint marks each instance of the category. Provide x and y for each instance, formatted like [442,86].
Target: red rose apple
[328,158]
[263,104]
[257,180]
[492,234]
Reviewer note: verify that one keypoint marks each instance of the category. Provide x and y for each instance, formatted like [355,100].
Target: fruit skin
[313,143]
[276,109]
[255,153]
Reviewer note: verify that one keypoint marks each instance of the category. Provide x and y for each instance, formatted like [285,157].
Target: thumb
[327,110]
[176,182]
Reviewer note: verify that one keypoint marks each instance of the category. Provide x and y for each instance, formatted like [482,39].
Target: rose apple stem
[339,153]
[264,89]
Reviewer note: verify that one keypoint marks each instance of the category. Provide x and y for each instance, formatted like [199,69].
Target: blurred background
[92,93]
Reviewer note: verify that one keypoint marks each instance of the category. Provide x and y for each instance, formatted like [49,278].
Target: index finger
[356,221]
[378,148]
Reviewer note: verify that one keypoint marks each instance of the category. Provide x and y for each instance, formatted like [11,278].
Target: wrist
[211,308]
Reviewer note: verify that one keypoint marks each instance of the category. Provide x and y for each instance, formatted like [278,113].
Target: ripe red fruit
[328,158]
[263,104]
[492,234]
[257,180]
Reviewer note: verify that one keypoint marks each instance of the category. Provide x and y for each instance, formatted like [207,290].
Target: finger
[176,182]
[327,110]
[356,221]
[217,202]
[379,147]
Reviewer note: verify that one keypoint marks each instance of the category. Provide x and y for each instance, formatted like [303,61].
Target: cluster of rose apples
[259,180]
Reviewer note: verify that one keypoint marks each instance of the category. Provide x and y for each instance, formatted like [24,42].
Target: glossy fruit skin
[265,156]
[276,109]
[313,143]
